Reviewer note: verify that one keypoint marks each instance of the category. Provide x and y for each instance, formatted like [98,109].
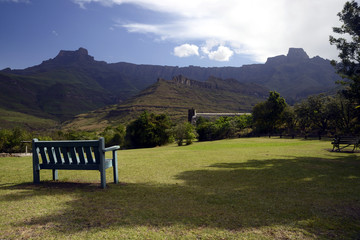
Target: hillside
[73,82]
[174,98]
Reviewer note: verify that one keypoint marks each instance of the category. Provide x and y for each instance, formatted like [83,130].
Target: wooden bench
[73,155]
[343,142]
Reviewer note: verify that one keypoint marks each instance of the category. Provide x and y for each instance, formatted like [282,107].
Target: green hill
[174,98]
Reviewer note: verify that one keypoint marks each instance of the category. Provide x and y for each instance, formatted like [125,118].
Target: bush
[221,128]
[11,141]
[184,131]
[114,136]
[149,130]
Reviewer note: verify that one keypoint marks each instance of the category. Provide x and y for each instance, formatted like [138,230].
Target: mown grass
[256,188]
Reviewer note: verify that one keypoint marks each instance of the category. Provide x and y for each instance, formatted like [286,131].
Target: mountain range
[74,83]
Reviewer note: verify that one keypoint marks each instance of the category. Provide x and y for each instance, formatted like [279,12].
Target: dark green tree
[314,114]
[114,135]
[268,115]
[149,130]
[11,141]
[349,48]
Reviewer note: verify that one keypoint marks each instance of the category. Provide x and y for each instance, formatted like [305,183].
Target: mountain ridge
[74,82]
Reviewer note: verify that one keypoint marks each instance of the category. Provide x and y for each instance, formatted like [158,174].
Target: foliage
[349,48]
[343,115]
[114,136]
[221,128]
[268,115]
[315,113]
[11,141]
[184,131]
[326,114]
[78,135]
[149,130]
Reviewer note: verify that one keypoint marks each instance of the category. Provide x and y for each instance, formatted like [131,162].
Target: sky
[207,33]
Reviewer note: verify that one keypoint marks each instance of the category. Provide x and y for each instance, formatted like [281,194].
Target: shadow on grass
[319,195]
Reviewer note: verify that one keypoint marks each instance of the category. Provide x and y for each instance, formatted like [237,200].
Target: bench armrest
[112,148]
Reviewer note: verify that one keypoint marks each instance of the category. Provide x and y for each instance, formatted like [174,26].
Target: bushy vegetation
[11,141]
[317,115]
[184,131]
[149,130]
[221,128]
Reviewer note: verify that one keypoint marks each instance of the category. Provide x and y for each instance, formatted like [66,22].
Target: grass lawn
[256,188]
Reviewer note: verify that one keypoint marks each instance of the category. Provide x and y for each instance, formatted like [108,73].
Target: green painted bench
[73,155]
[344,141]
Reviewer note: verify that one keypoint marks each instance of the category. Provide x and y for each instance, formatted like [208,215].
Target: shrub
[149,130]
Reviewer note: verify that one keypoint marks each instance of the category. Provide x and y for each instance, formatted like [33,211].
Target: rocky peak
[70,56]
[294,54]
[297,54]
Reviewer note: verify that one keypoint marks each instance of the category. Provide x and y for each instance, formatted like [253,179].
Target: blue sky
[166,32]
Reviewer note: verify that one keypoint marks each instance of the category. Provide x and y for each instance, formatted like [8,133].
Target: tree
[11,141]
[315,114]
[114,136]
[149,130]
[342,115]
[268,115]
[184,131]
[349,67]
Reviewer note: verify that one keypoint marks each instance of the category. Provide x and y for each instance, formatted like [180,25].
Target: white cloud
[186,50]
[222,54]
[259,28]
[55,33]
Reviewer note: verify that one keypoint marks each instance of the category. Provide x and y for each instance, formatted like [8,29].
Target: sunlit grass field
[248,188]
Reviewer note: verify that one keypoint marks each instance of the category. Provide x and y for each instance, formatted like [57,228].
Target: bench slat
[71,166]
[59,159]
[88,143]
[44,158]
[65,155]
[89,155]
[80,152]
[52,157]
[73,155]
[96,154]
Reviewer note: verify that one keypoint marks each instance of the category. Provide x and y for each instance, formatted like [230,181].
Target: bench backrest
[347,139]
[69,152]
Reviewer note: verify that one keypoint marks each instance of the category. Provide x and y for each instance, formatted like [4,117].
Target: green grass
[10,119]
[256,188]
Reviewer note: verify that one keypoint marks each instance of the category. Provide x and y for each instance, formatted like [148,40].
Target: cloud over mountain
[258,28]
[186,50]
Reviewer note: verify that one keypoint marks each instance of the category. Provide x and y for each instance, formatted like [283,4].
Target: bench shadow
[301,192]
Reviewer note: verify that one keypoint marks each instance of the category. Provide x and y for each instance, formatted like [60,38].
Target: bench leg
[36,176]
[55,174]
[115,168]
[103,178]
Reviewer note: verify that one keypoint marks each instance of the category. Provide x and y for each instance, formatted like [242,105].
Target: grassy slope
[166,97]
[10,119]
[255,188]
[59,94]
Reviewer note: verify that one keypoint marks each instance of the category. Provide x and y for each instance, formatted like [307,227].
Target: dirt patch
[15,154]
